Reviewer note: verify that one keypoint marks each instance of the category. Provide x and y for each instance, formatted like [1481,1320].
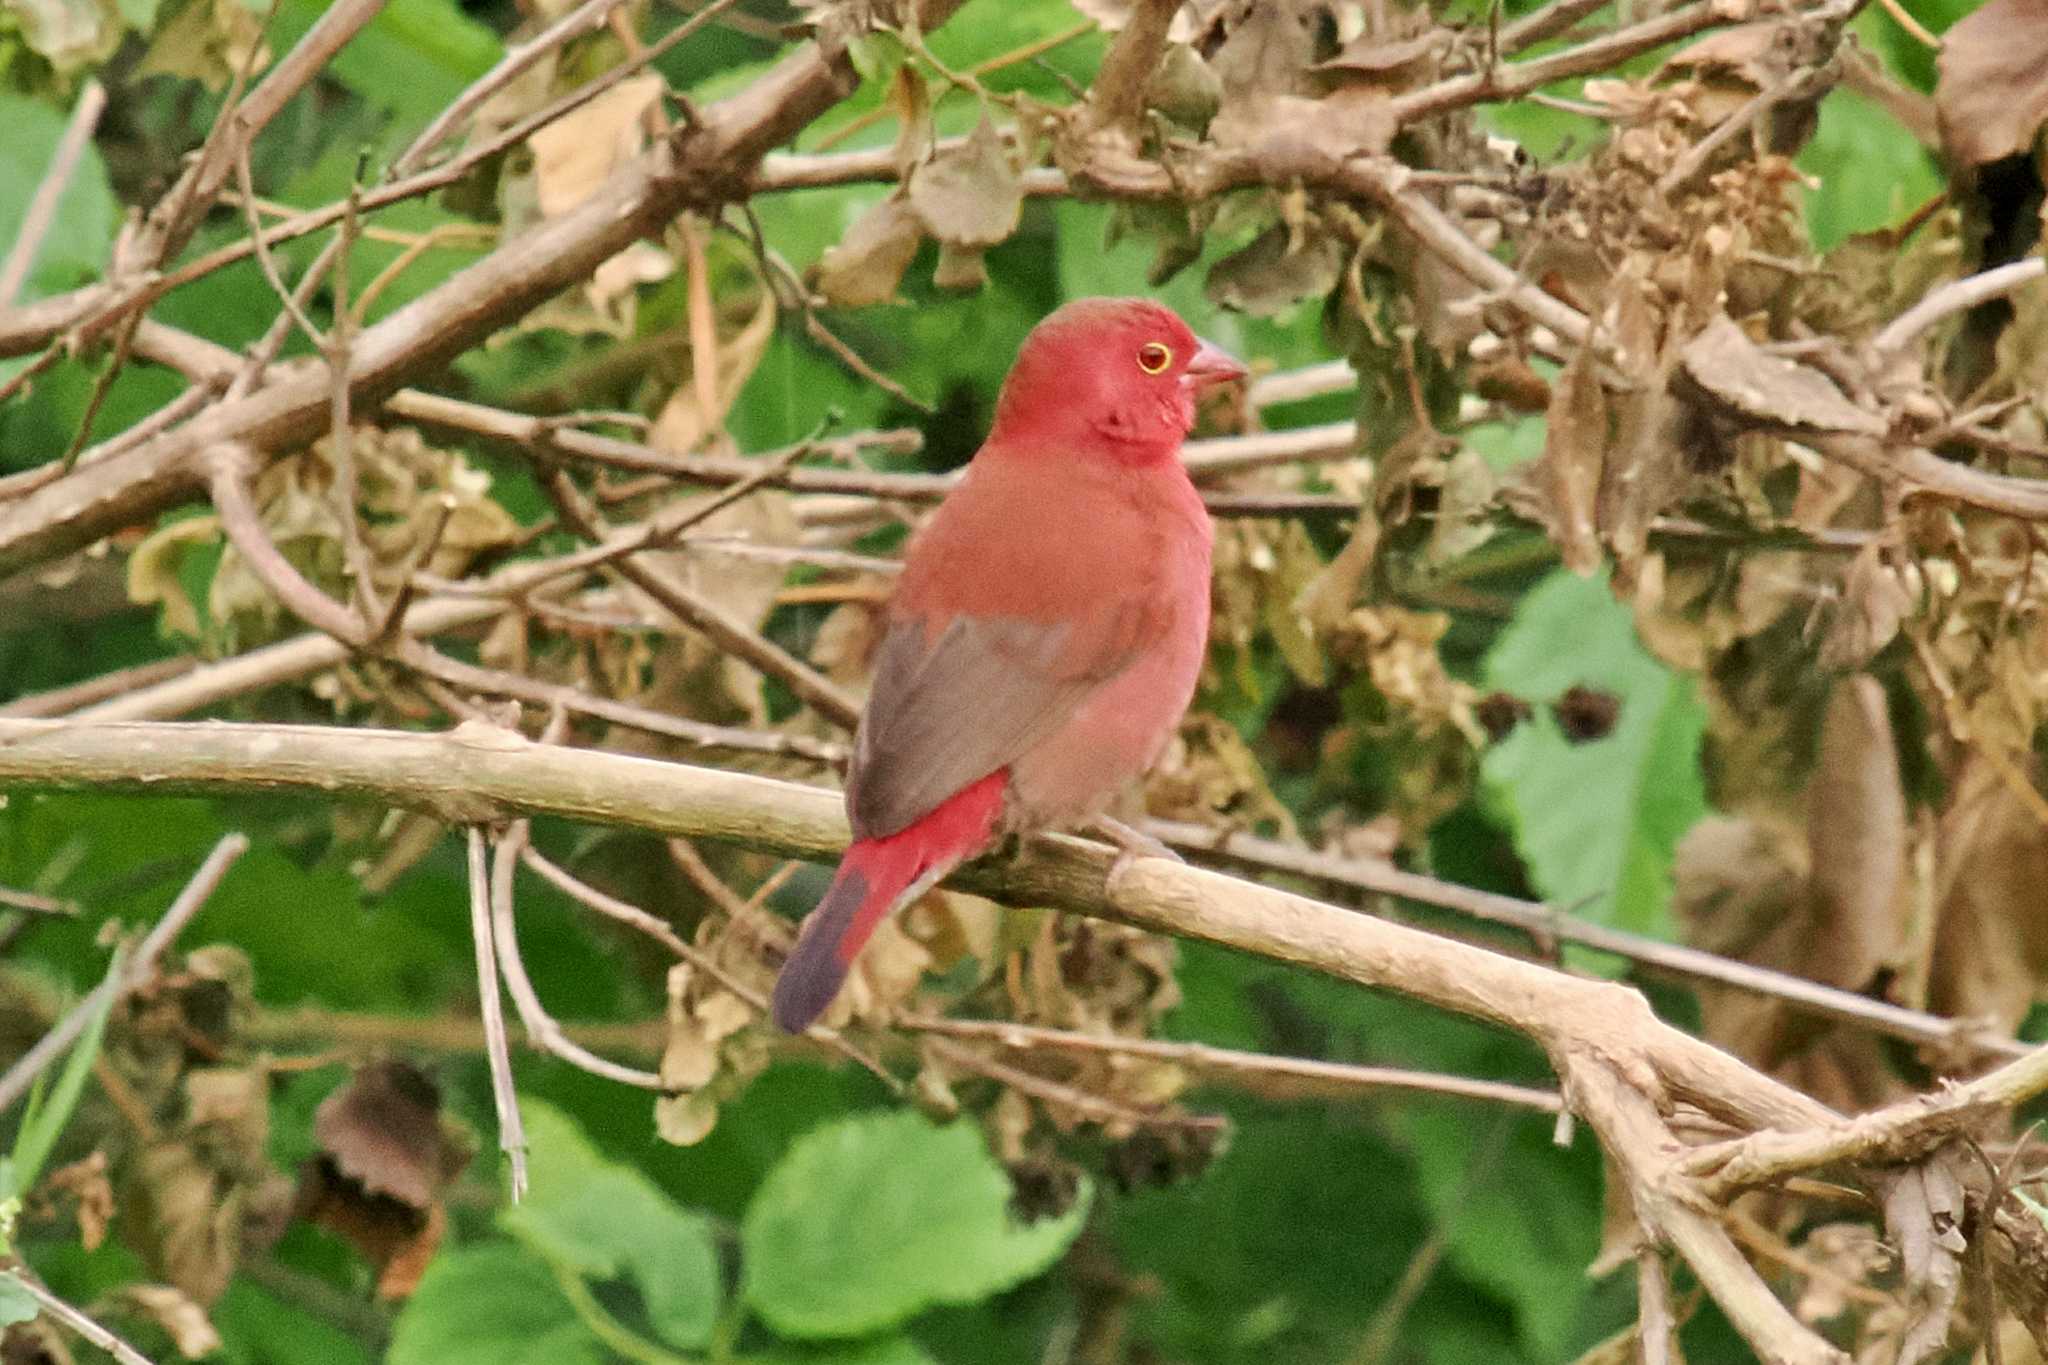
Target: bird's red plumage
[1048,629]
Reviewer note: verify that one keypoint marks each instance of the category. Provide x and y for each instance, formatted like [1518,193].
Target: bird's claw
[1132,844]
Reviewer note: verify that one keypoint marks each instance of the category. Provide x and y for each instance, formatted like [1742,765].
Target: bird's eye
[1154,357]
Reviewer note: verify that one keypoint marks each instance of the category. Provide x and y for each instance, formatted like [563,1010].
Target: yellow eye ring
[1154,357]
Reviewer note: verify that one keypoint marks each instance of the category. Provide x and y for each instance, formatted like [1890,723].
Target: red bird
[1047,631]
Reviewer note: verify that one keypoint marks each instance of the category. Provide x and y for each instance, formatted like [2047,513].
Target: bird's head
[1116,377]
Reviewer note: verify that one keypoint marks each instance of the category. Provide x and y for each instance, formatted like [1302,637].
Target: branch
[1118,96]
[1256,856]
[1623,1069]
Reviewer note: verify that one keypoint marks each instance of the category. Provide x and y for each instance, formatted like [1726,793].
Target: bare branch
[1954,297]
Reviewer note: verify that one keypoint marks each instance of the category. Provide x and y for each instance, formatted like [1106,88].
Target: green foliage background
[819,1222]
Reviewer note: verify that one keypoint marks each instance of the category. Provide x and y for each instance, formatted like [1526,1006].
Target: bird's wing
[950,710]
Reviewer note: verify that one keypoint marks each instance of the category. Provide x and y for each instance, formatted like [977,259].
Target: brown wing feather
[948,712]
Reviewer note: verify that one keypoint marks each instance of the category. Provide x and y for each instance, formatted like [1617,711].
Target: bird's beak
[1211,364]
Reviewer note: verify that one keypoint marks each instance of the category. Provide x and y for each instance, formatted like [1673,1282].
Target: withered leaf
[1856,828]
[1267,50]
[1991,93]
[1184,88]
[1991,943]
[1398,61]
[170,1308]
[970,194]
[1874,602]
[573,155]
[1567,477]
[1923,1213]
[386,1155]
[1275,272]
[960,267]
[868,262]
[383,1130]
[1769,390]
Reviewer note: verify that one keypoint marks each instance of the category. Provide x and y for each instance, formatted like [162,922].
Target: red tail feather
[871,881]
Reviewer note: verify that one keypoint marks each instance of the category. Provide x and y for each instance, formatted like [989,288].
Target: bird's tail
[875,877]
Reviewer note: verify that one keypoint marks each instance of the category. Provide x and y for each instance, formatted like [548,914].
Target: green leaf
[1595,821]
[490,1305]
[16,1303]
[412,59]
[873,1351]
[872,1219]
[47,1114]
[605,1221]
[74,249]
[1870,173]
[1517,1213]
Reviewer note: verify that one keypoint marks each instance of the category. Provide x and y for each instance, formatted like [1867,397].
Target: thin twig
[243,526]
[1098,1108]
[571,26]
[1655,1327]
[1955,297]
[541,1028]
[1318,1075]
[1905,20]
[36,904]
[491,1009]
[626,913]
[1249,853]
[77,1321]
[723,629]
[266,262]
[140,967]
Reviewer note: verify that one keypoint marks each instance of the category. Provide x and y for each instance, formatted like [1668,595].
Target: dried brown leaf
[960,267]
[1923,1214]
[383,1130]
[1567,477]
[1767,390]
[1276,271]
[188,1218]
[1873,604]
[207,41]
[682,425]
[1991,93]
[868,262]
[1856,832]
[970,194]
[1395,62]
[85,1181]
[573,155]
[185,1322]
[1845,1254]
[1991,942]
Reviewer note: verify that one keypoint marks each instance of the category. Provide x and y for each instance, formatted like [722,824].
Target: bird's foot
[1132,844]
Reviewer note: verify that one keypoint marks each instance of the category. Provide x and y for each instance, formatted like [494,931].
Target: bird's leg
[1132,844]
